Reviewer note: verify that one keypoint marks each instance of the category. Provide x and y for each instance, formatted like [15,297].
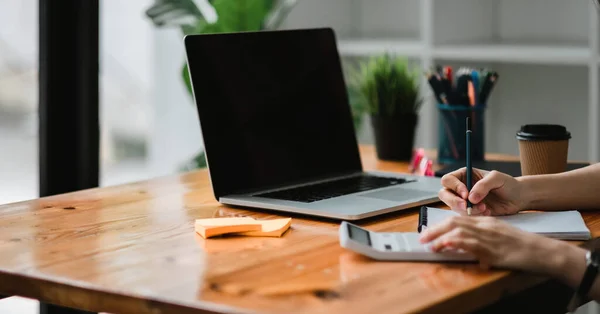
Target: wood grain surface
[132,249]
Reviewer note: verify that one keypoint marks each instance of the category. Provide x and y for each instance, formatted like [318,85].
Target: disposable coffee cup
[543,148]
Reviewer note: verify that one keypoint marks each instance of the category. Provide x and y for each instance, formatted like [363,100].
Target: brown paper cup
[543,148]
[543,157]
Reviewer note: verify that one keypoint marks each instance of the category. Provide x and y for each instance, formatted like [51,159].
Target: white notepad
[564,225]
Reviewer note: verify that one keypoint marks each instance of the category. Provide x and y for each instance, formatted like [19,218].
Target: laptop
[278,132]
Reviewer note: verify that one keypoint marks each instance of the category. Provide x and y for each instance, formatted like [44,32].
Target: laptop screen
[273,108]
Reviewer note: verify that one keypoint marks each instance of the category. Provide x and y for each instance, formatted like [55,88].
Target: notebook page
[548,222]
[560,224]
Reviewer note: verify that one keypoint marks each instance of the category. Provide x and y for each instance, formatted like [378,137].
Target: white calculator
[393,246]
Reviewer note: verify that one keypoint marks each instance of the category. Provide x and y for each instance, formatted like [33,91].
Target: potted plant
[389,88]
[229,16]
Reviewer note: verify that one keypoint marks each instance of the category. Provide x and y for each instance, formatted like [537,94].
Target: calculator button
[401,243]
[409,242]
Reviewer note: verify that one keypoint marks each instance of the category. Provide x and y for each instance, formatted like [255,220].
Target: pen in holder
[451,132]
[459,95]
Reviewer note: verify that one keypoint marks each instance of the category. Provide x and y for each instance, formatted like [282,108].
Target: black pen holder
[452,133]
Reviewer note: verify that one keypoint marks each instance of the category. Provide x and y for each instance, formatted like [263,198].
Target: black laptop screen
[273,108]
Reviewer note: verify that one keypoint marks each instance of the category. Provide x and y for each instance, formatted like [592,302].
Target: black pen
[469,167]
[436,85]
[462,88]
[488,85]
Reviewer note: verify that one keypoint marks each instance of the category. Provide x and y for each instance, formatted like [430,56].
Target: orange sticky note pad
[242,226]
[270,228]
[211,227]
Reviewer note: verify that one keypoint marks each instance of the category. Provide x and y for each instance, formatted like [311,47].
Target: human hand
[493,193]
[496,243]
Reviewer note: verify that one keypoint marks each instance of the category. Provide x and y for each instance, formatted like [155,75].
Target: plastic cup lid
[551,132]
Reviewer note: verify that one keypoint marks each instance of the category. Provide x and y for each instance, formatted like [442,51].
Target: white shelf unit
[546,52]
[366,47]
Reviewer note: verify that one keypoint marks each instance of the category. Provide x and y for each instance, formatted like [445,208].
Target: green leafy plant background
[386,85]
[232,16]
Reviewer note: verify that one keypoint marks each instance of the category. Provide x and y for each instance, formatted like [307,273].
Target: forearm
[570,267]
[575,189]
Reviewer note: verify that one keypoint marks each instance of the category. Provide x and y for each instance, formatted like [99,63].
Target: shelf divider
[593,88]
[366,47]
[427,128]
[516,53]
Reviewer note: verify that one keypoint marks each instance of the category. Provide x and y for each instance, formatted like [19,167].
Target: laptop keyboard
[322,191]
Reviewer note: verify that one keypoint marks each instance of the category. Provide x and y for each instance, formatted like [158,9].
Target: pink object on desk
[420,164]
[418,155]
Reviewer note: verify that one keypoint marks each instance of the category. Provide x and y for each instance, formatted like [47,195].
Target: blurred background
[546,52]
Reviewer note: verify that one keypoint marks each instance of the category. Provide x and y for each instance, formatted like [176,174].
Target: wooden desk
[132,249]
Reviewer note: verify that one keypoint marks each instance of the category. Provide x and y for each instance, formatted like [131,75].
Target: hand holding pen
[478,192]
[469,173]
[492,194]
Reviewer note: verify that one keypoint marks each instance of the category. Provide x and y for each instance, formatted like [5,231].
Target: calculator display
[359,235]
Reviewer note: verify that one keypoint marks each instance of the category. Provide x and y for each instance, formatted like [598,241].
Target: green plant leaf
[389,86]
[198,162]
[356,106]
[185,74]
[180,13]
[278,14]
[240,15]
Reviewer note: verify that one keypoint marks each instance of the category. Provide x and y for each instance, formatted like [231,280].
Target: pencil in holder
[452,129]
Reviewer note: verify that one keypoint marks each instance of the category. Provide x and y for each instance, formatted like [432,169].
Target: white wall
[175,136]
[144,96]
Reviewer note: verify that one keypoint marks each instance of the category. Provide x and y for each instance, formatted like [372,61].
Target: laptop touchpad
[398,195]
